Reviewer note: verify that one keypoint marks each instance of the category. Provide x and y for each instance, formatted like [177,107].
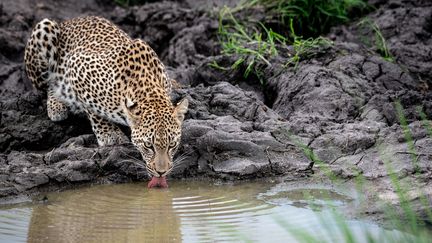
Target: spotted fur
[88,64]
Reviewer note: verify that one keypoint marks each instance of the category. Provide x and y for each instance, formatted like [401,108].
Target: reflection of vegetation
[379,41]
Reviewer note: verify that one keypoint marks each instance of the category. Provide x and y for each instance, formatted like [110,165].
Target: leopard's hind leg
[41,53]
[57,110]
[41,59]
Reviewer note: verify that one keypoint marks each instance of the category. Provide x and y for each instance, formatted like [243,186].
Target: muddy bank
[341,103]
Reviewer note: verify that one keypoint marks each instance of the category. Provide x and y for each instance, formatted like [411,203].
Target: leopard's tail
[41,53]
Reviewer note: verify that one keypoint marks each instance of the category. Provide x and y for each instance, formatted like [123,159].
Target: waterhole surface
[186,212]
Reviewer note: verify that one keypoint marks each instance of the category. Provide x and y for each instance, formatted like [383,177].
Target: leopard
[88,64]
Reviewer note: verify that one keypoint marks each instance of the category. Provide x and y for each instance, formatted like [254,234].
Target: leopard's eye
[172,144]
[148,145]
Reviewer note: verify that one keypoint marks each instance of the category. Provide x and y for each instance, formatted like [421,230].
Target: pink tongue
[158,182]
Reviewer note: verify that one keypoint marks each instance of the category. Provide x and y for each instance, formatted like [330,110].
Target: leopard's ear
[129,109]
[181,109]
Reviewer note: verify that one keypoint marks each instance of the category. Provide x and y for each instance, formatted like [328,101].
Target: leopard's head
[156,132]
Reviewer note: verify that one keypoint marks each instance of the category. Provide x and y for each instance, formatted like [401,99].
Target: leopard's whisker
[183,156]
[131,157]
[133,162]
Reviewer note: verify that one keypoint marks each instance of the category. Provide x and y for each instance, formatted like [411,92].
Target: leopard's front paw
[113,138]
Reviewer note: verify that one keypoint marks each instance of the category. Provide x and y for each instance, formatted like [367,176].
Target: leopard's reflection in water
[132,213]
[122,213]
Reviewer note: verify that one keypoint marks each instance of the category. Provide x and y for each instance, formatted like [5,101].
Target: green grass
[408,136]
[412,151]
[379,42]
[426,123]
[295,23]
[306,48]
[254,44]
[311,17]
[407,221]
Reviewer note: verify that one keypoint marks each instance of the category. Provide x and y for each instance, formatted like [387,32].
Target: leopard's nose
[161,172]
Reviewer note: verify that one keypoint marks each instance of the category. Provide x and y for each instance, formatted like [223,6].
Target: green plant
[311,17]
[426,122]
[215,65]
[407,221]
[412,151]
[254,45]
[337,228]
[407,134]
[379,40]
[306,48]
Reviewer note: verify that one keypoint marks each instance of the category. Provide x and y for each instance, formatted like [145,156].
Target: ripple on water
[14,223]
[305,197]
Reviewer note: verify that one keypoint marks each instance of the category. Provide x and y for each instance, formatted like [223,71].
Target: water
[186,212]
